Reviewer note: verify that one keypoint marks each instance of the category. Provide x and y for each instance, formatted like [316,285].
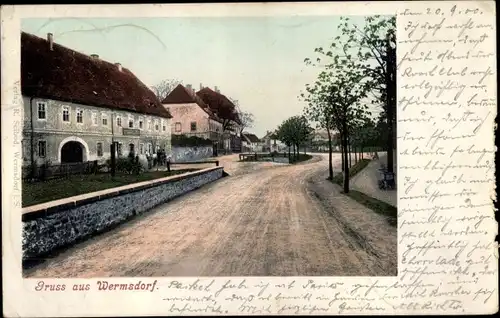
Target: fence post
[217,163]
[113,159]
[168,165]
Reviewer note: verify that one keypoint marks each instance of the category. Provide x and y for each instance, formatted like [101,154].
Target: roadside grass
[301,158]
[360,165]
[377,206]
[45,191]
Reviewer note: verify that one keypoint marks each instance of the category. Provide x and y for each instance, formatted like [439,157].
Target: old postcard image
[258,158]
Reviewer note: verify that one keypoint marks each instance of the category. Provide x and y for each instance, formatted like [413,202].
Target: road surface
[264,219]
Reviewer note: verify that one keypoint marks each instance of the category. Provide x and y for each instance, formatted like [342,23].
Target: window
[193,126]
[42,110]
[131,148]
[94,118]
[66,114]
[79,116]
[157,126]
[42,148]
[177,127]
[164,128]
[141,149]
[99,149]
[118,121]
[104,119]
[130,123]
[140,124]
[119,149]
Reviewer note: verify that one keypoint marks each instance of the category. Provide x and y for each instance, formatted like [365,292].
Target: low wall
[180,154]
[56,224]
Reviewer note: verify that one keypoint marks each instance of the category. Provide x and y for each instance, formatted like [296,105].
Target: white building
[76,106]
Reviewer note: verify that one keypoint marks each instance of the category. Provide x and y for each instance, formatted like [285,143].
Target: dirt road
[262,220]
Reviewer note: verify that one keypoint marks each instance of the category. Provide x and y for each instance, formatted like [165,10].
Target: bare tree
[164,88]
[247,120]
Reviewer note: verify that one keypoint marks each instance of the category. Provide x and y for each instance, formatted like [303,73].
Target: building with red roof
[77,105]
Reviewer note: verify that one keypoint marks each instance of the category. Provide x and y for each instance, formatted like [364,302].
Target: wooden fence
[46,172]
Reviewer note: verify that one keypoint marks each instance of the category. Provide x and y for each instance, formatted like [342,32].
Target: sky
[258,61]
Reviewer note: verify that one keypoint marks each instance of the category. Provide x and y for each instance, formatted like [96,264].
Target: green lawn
[376,205]
[40,192]
[302,157]
[360,165]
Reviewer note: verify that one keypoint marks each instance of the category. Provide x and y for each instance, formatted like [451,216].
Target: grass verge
[301,157]
[377,206]
[40,192]
[360,165]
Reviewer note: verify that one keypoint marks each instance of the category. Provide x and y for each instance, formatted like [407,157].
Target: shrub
[190,141]
[127,165]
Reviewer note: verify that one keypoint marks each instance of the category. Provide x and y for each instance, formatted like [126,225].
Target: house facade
[224,109]
[251,142]
[76,106]
[191,116]
[271,142]
[320,140]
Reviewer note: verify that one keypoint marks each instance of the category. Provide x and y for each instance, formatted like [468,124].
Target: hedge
[189,141]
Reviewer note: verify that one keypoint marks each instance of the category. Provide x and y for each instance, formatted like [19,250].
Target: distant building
[76,106]
[272,143]
[191,116]
[250,142]
[226,111]
[319,140]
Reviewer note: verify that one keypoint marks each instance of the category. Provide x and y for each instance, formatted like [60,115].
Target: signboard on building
[131,132]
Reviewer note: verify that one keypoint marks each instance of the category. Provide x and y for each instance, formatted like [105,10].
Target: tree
[343,86]
[294,131]
[246,119]
[321,112]
[164,88]
[372,48]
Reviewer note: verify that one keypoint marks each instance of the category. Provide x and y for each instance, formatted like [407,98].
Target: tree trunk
[390,94]
[349,151]
[345,155]
[342,151]
[289,155]
[330,149]
[346,163]
[355,155]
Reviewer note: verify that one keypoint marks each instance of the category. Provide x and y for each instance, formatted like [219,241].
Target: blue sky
[258,61]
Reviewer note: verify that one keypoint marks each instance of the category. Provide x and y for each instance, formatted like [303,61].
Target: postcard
[326,158]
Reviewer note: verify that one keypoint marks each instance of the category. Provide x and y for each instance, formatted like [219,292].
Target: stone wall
[47,226]
[183,154]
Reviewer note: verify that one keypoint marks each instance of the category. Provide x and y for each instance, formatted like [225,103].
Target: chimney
[201,86]
[216,89]
[94,56]
[119,66]
[50,38]
[189,87]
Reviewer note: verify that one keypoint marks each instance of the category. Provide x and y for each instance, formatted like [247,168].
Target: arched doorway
[72,151]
